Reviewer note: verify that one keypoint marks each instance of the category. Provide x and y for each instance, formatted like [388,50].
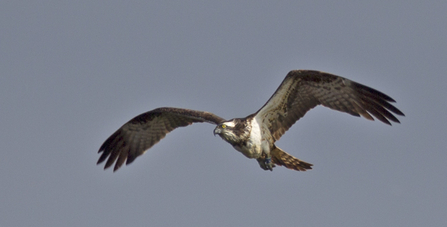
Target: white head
[226,131]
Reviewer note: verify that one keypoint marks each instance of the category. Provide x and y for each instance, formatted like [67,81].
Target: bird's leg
[266,163]
[269,163]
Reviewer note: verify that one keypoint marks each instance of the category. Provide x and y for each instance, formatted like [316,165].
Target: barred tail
[282,158]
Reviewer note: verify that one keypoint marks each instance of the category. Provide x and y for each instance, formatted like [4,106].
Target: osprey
[255,135]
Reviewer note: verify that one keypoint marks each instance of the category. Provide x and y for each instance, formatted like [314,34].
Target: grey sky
[72,72]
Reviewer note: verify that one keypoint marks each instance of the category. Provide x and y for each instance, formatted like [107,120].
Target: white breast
[253,147]
[255,135]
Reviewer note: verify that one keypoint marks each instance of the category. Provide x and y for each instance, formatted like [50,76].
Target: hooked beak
[217,131]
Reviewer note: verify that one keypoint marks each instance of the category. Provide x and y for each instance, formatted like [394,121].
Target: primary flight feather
[255,135]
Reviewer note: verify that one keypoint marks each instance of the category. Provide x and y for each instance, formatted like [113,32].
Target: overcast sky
[72,72]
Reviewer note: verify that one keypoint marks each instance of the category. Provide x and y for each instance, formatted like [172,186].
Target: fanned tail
[282,158]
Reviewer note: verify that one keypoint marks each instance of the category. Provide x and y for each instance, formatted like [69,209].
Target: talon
[269,164]
[266,163]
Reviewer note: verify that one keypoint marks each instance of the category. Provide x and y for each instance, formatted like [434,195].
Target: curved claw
[269,163]
[266,163]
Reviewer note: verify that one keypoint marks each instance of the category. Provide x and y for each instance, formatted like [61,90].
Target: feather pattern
[302,90]
[282,158]
[299,92]
[145,130]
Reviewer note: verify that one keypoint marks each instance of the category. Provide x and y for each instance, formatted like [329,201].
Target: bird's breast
[251,147]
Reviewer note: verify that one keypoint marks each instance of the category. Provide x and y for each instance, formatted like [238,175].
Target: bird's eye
[223,126]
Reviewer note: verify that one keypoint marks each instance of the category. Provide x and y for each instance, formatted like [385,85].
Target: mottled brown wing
[302,90]
[145,130]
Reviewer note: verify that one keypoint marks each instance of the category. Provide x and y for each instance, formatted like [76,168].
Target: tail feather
[282,158]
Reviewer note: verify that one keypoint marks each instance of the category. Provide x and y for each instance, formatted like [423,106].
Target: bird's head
[226,131]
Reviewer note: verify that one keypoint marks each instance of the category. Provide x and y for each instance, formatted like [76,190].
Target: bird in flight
[255,135]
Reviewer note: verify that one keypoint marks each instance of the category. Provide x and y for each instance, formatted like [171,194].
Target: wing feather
[145,130]
[302,90]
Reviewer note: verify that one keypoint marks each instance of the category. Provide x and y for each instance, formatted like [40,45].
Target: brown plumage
[145,130]
[282,158]
[299,92]
[302,90]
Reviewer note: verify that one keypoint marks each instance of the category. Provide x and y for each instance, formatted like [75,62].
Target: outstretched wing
[145,130]
[302,90]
